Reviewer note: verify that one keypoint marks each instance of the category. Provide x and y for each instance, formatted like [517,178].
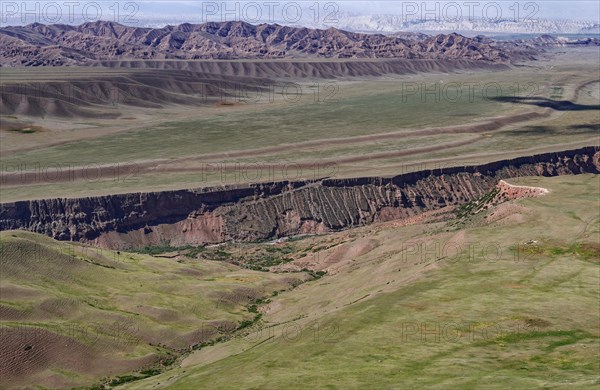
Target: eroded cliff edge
[271,210]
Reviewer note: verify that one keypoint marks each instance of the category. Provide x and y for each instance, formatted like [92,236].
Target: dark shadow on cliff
[558,105]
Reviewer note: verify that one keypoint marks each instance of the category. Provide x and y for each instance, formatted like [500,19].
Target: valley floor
[503,296]
[174,136]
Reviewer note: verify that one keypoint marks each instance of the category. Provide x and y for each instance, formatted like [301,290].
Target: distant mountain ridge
[507,22]
[42,45]
[383,23]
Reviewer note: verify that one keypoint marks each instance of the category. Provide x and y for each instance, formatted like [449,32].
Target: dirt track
[101,172]
[98,172]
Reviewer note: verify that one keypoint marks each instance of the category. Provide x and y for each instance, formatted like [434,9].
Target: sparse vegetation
[187,250]
[253,256]
[529,319]
[468,209]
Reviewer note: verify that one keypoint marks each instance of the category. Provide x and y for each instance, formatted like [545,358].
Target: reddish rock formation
[512,192]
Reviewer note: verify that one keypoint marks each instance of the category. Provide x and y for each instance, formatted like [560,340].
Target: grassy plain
[507,297]
[116,311]
[369,126]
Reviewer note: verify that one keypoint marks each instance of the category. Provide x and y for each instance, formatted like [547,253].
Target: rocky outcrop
[271,210]
[507,191]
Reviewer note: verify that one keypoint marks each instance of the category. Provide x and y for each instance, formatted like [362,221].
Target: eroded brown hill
[157,84]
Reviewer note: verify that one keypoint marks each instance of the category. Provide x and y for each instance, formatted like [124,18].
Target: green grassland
[505,296]
[354,111]
[205,135]
[519,309]
[130,305]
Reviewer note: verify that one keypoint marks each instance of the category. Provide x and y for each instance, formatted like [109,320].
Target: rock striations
[272,210]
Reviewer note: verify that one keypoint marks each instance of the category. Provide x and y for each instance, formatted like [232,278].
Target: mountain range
[38,44]
[383,23]
[60,44]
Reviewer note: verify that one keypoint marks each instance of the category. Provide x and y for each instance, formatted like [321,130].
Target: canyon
[274,210]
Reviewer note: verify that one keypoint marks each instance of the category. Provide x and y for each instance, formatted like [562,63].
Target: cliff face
[271,210]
